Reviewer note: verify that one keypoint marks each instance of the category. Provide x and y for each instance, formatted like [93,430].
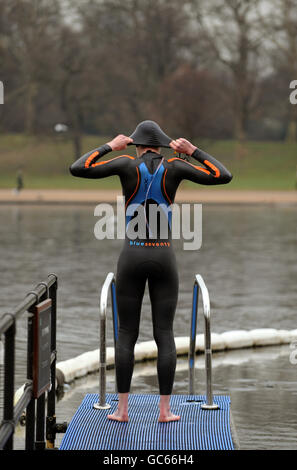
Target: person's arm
[213,172]
[88,166]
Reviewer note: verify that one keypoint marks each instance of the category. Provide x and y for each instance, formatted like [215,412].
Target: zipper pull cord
[146,196]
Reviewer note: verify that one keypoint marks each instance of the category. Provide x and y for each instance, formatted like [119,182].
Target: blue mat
[197,429]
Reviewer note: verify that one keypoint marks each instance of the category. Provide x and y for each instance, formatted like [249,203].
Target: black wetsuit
[147,181]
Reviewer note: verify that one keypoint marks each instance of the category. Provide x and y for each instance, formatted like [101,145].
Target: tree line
[202,68]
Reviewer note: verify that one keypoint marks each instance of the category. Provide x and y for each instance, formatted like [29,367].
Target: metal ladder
[109,284]
[199,286]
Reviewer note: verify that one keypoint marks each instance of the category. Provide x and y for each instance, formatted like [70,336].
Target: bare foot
[165,418]
[119,416]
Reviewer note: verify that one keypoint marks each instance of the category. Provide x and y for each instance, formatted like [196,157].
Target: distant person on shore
[19,182]
[148,180]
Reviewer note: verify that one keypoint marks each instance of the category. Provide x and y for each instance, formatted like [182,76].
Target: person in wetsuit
[148,180]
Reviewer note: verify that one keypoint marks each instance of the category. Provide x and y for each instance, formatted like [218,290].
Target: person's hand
[120,142]
[182,146]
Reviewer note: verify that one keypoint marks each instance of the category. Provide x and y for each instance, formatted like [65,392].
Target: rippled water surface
[248,261]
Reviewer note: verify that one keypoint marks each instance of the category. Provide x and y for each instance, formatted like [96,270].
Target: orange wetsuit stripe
[115,158]
[90,158]
[164,186]
[194,166]
[136,187]
[213,167]
[202,169]
[95,154]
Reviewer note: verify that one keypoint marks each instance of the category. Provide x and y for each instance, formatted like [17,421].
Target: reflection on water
[248,260]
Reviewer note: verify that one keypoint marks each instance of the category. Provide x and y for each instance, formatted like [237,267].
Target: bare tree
[143,43]
[101,66]
[194,103]
[280,23]
[32,27]
[233,38]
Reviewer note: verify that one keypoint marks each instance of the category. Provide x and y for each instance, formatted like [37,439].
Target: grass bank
[45,162]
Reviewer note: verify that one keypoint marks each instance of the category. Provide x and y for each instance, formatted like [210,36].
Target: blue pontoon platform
[205,423]
[198,429]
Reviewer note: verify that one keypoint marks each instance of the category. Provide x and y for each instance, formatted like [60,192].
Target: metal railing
[199,286]
[109,285]
[33,403]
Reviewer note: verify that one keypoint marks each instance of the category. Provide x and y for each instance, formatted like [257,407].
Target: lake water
[248,261]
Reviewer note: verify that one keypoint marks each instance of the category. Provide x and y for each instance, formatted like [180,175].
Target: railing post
[30,411]
[40,423]
[199,285]
[209,405]
[192,345]
[40,401]
[102,405]
[51,396]
[9,361]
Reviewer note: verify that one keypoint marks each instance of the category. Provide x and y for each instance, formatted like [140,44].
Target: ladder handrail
[109,285]
[199,286]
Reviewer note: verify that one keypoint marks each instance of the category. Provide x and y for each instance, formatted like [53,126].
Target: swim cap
[150,134]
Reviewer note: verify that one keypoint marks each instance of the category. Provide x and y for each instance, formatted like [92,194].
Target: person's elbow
[226,177]
[229,177]
[74,170]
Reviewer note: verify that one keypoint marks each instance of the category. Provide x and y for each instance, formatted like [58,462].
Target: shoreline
[70,196]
